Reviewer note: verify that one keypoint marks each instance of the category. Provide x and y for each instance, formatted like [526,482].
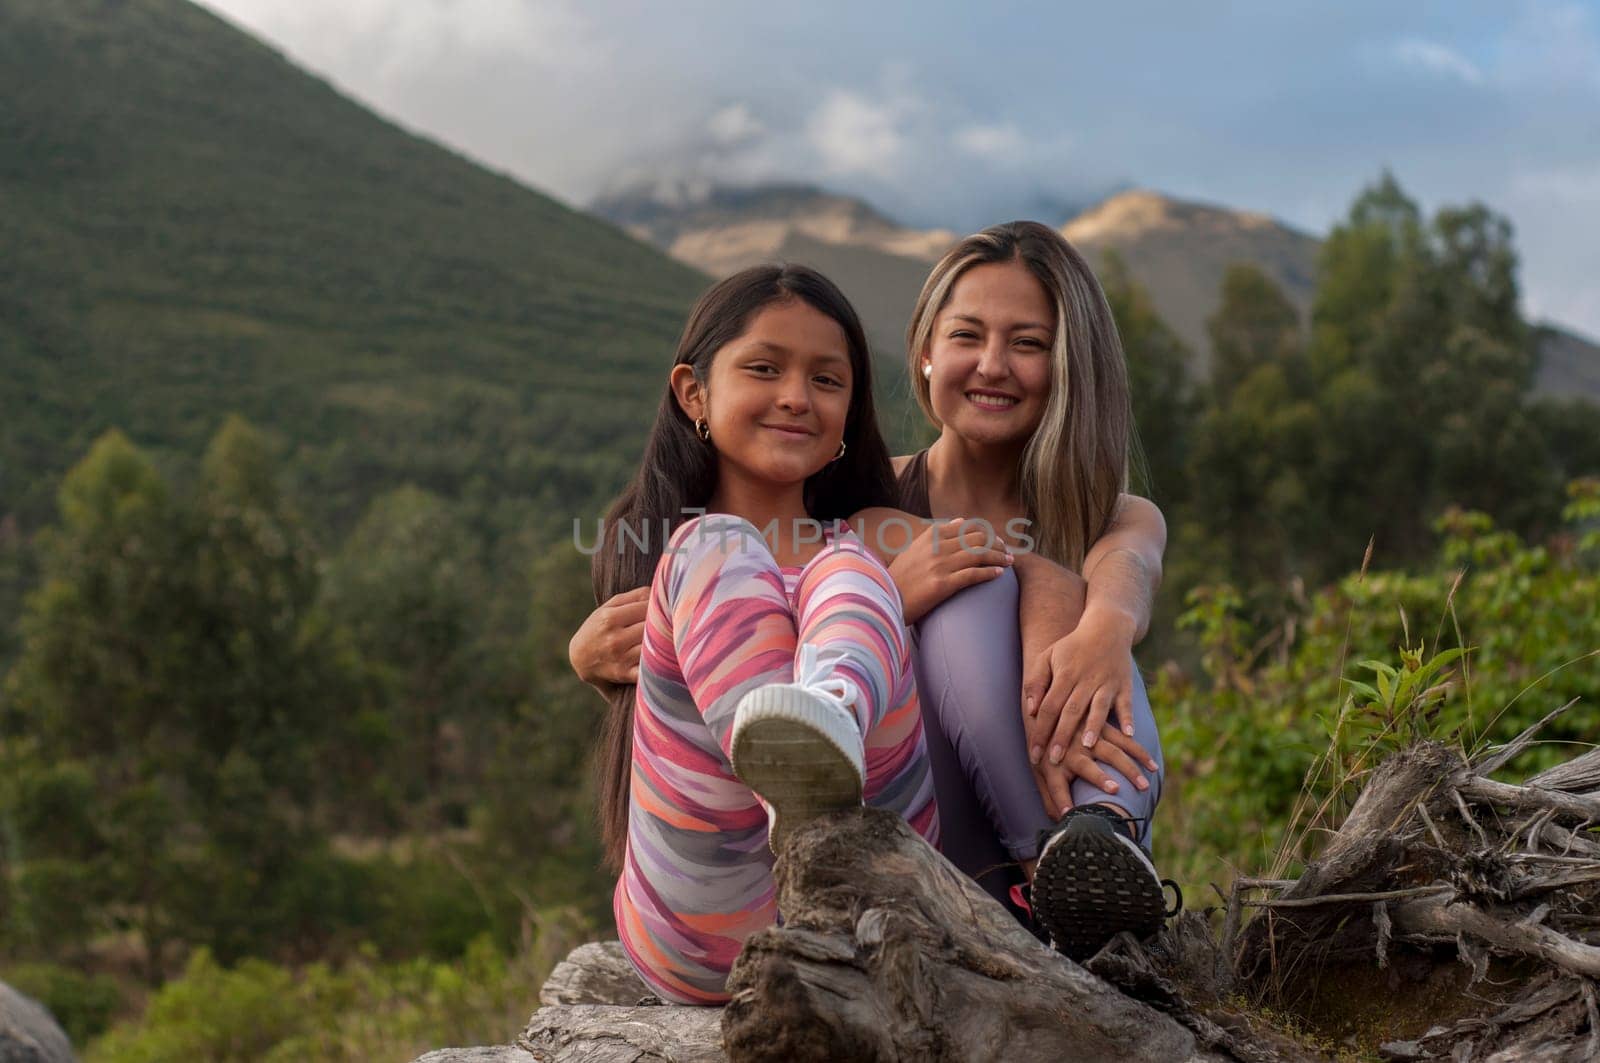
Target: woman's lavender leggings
[968,659]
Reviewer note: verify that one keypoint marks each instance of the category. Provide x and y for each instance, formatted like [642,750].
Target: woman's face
[778,396]
[991,352]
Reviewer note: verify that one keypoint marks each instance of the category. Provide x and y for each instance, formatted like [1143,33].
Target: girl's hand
[606,648]
[1070,690]
[1114,749]
[941,560]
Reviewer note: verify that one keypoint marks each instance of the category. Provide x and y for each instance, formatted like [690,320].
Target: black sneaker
[1093,881]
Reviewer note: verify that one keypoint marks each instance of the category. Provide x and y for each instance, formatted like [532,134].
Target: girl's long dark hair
[679,473]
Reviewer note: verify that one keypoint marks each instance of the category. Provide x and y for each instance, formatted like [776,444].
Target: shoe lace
[821,679]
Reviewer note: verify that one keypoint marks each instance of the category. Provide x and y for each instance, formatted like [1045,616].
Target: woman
[1015,358]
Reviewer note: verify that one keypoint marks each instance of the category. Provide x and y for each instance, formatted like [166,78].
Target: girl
[774,678]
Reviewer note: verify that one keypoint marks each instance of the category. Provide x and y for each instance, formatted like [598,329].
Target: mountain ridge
[1177,249]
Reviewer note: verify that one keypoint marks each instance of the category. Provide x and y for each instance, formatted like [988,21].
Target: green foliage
[165,711]
[404,589]
[1254,326]
[207,228]
[83,1004]
[361,1010]
[1410,394]
[1473,648]
[1164,402]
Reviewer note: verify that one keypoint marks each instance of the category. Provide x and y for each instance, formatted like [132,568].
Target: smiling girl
[774,680]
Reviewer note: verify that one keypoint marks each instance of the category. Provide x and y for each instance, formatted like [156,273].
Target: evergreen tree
[1164,404]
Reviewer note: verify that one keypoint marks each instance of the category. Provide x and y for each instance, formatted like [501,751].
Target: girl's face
[777,397]
[991,353]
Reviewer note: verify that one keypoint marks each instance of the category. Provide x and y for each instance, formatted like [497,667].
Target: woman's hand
[1114,750]
[941,560]
[1070,690]
[605,650]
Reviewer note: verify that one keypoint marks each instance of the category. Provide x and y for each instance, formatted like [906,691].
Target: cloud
[986,141]
[853,135]
[1282,109]
[735,124]
[1435,58]
[402,39]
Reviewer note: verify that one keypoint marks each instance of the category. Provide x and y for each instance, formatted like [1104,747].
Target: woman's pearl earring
[927,370]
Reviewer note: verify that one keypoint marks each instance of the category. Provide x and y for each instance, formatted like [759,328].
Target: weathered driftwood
[494,1054]
[887,952]
[596,973]
[1484,894]
[1438,875]
[607,1033]
[597,1010]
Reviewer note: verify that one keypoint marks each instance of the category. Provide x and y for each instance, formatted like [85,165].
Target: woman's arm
[1077,633]
[1123,567]
[1120,575]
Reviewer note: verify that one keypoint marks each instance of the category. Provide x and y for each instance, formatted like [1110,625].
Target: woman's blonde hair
[1076,463]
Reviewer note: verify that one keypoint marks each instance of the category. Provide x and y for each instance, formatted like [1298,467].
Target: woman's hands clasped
[1068,695]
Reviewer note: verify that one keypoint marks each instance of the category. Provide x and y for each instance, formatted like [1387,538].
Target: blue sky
[964,114]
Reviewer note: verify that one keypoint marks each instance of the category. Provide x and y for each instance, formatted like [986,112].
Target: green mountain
[191,225]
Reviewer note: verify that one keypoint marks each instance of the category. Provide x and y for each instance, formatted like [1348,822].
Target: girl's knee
[717,528]
[715,538]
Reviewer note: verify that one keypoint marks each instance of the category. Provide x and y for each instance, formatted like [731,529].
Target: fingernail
[1088,739]
[1139,783]
[1111,786]
[1056,753]
[1031,709]
[1127,729]
[1153,765]
[1034,754]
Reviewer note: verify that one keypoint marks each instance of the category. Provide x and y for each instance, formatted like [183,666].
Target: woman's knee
[969,651]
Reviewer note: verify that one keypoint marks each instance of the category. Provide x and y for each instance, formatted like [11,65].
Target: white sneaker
[799,747]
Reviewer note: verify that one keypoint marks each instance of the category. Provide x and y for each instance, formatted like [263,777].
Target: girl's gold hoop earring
[702,429]
[839,455]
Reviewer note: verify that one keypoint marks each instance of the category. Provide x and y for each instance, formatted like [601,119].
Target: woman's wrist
[1110,618]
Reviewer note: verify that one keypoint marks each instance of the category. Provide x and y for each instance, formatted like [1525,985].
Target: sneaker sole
[1089,887]
[794,752]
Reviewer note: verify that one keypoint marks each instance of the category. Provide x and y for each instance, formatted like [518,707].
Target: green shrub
[83,1004]
[362,1010]
[1473,649]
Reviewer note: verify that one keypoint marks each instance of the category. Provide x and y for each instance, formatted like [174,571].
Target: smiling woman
[1015,357]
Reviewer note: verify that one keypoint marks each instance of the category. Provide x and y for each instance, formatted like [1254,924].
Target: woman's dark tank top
[912,486]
